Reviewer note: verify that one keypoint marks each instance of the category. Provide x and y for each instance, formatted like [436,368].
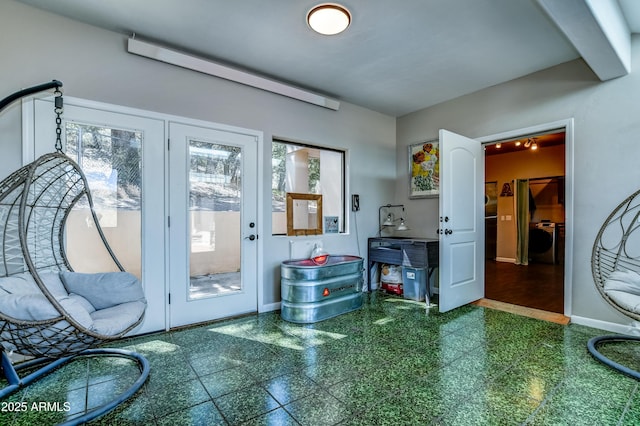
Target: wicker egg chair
[616,272]
[41,315]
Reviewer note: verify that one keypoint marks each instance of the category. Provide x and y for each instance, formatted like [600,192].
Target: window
[307,169]
[111,161]
[108,143]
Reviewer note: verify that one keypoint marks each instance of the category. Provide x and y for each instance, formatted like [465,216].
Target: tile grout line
[627,405]
[482,382]
[186,359]
[535,412]
[255,382]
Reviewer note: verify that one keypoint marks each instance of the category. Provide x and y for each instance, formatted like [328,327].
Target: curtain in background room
[521,201]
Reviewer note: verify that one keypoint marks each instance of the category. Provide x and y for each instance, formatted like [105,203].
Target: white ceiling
[631,10]
[396,57]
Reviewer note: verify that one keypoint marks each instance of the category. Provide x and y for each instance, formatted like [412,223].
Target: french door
[213,223]
[184,219]
[122,156]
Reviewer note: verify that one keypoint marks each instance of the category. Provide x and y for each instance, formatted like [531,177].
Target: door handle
[251,237]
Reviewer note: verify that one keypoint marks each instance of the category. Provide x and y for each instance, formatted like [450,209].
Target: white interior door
[461,221]
[213,223]
[122,156]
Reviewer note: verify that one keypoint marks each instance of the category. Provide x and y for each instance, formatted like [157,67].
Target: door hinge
[169,221]
[169,298]
[168,144]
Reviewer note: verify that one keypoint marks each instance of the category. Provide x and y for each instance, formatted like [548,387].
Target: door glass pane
[111,159]
[214,213]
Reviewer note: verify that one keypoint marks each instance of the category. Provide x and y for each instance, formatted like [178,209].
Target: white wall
[606,150]
[93,64]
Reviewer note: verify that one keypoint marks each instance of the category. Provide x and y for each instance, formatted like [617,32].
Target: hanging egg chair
[47,310]
[615,266]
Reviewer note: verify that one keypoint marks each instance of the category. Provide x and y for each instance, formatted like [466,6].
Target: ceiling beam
[598,31]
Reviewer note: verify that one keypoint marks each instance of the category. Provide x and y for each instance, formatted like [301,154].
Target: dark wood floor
[537,285]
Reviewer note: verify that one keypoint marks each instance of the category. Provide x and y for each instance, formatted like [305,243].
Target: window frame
[343,164]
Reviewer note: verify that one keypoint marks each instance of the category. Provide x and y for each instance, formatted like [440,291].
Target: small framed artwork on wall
[331,225]
[424,169]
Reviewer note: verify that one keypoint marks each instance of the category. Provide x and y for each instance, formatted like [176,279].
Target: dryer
[543,246]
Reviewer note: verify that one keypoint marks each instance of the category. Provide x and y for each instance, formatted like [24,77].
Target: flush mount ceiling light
[329,18]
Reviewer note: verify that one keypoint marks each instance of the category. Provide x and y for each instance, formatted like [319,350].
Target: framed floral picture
[424,169]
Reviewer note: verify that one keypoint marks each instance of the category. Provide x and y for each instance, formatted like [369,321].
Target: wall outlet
[355,202]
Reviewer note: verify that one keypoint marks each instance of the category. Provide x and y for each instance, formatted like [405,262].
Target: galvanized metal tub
[312,293]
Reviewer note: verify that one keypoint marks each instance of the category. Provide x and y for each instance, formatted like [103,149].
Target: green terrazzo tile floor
[393,362]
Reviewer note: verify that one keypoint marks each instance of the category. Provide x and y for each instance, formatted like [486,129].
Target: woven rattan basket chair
[616,272]
[39,315]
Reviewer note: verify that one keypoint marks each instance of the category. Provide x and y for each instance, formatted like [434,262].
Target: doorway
[524,250]
[183,218]
[213,207]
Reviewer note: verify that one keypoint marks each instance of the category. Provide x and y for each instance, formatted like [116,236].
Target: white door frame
[567,125]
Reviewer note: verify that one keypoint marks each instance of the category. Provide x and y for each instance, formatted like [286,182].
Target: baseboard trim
[523,311]
[505,260]
[269,307]
[603,325]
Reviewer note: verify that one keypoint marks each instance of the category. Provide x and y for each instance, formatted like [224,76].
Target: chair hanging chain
[58,103]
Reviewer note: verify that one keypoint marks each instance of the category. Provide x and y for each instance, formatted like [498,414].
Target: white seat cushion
[83,302]
[119,297]
[23,300]
[52,281]
[114,320]
[19,284]
[36,307]
[104,290]
[27,307]
[25,284]
[627,301]
[624,281]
